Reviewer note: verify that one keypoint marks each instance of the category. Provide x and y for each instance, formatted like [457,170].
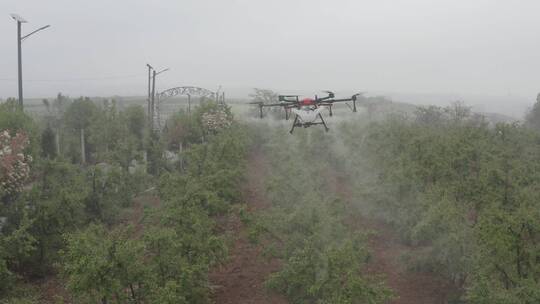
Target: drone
[307,111]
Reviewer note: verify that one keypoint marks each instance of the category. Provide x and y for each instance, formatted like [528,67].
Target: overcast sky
[100,47]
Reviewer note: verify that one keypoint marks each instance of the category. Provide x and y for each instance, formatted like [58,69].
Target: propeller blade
[330,94]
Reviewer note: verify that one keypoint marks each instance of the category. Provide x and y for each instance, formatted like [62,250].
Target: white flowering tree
[14,163]
[216,120]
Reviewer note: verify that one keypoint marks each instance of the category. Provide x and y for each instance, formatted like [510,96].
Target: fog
[444,49]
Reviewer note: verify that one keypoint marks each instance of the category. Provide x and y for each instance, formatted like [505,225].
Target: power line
[74,79]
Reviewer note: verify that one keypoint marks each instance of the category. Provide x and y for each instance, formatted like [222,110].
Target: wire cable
[75,79]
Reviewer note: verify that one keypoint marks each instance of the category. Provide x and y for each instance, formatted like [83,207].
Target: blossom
[14,163]
[216,120]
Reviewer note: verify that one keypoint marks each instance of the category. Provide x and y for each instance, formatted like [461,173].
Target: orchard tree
[103,266]
[532,119]
[55,113]
[107,131]
[136,121]
[14,163]
[48,145]
[79,116]
[15,121]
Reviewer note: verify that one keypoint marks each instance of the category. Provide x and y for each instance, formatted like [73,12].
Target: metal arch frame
[186,91]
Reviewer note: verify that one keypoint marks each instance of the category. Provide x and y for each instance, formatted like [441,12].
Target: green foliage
[532,119]
[59,197]
[211,171]
[182,129]
[155,154]
[62,200]
[101,265]
[15,246]
[170,261]
[48,144]
[136,121]
[15,120]
[80,112]
[112,189]
[463,190]
[56,205]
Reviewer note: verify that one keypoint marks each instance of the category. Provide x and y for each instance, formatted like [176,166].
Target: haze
[100,48]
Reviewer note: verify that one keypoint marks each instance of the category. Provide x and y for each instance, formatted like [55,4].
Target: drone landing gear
[323,123]
[294,123]
[308,124]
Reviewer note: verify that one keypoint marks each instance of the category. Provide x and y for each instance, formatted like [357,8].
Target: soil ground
[410,287]
[241,279]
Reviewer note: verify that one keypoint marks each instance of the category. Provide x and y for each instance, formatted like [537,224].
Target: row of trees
[46,194]
[169,260]
[463,190]
[323,259]
[81,130]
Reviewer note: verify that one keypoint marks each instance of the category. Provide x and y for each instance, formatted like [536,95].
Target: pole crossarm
[39,29]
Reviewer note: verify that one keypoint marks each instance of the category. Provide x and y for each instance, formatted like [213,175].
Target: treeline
[45,193]
[466,192]
[324,260]
[67,186]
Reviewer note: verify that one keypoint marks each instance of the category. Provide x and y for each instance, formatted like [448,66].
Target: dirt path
[241,279]
[410,287]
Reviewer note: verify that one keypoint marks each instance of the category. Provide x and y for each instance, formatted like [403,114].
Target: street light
[152,105]
[164,70]
[20,20]
[149,99]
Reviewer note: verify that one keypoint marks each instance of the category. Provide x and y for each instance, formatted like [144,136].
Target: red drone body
[307,102]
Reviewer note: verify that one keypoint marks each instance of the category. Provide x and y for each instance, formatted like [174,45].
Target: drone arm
[324,98]
[340,100]
[353,99]
[285,98]
[282,104]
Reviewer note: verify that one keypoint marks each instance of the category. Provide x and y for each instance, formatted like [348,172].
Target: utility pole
[149,96]
[19,57]
[153,97]
[152,92]
[20,39]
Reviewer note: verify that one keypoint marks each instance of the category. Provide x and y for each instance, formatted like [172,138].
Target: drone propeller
[358,94]
[330,94]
